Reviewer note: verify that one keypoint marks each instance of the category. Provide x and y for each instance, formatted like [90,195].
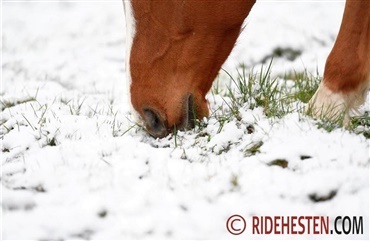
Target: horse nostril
[190,111]
[155,124]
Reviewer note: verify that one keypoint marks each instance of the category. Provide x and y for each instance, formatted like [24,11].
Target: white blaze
[130,35]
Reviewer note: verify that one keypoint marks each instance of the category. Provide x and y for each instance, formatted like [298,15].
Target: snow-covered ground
[74,165]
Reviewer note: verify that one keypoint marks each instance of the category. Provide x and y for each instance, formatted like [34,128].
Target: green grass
[235,186]
[260,89]
[253,149]
[279,162]
[4,104]
[252,89]
[361,125]
[277,96]
[287,53]
[305,83]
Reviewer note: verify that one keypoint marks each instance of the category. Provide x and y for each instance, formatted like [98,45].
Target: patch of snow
[75,165]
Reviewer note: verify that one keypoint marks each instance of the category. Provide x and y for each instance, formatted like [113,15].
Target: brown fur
[348,64]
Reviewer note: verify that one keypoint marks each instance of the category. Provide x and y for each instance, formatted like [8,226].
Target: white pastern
[328,104]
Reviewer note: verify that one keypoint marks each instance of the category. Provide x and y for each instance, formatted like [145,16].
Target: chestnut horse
[176,48]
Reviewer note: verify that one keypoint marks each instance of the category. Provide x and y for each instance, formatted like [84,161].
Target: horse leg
[347,71]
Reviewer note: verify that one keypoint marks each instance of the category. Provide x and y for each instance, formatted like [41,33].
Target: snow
[75,165]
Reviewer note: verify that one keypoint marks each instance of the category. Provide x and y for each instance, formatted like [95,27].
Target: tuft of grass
[361,120]
[361,125]
[102,213]
[4,104]
[304,157]
[75,108]
[278,96]
[131,127]
[287,53]
[51,141]
[329,125]
[259,89]
[175,135]
[234,182]
[29,123]
[279,162]
[253,149]
[314,197]
[253,89]
[216,88]
[305,85]
[5,150]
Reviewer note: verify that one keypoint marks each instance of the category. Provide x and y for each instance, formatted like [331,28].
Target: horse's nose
[155,124]
[158,126]
[188,120]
